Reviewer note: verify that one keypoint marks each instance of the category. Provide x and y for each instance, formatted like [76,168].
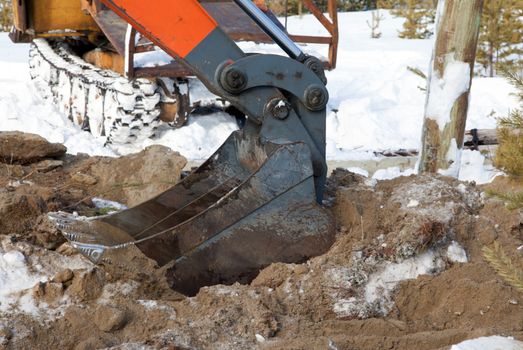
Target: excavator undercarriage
[258,199]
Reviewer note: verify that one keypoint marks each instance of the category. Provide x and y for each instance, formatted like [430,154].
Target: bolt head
[278,108]
[316,97]
[235,79]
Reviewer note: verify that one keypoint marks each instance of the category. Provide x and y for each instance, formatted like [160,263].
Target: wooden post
[449,81]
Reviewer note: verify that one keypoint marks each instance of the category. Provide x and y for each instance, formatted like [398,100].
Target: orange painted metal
[177,26]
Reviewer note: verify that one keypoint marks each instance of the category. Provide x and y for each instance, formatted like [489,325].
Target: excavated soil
[406,271]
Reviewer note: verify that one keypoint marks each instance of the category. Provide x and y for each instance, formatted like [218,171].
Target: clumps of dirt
[135,178]
[406,271]
[22,148]
[37,184]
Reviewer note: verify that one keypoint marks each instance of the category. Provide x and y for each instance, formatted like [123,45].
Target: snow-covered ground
[489,343]
[375,101]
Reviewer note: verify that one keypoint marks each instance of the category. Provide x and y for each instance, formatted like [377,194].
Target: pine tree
[501,36]
[282,7]
[419,15]
[5,15]
[509,155]
[386,4]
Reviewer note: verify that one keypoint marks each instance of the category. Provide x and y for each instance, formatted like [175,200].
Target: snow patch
[474,168]
[453,157]
[444,91]
[456,253]
[491,343]
[101,203]
[382,283]
[19,274]
[15,276]
[412,203]
[202,136]
[391,173]
[376,298]
[359,171]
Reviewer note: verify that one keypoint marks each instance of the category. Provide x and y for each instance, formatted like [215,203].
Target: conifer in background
[5,15]
[386,4]
[509,155]
[419,16]
[282,7]
[501,37]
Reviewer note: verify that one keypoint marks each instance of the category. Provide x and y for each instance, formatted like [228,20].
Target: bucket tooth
[244,208]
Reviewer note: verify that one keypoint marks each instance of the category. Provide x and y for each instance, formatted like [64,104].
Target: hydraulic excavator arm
[254,84]
[255,201]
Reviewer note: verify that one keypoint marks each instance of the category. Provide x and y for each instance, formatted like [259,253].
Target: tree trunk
[449,80]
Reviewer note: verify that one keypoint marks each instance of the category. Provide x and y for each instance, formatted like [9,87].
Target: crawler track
[99,100]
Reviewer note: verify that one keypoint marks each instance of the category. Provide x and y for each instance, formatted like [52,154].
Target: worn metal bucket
[246,207]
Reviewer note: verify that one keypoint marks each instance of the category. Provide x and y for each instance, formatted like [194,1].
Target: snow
[391,173]
[21,108]
[15,275]
[359,171]
[456,253]
[377,296]
[382,283]
[200,138]
[454,158]
[489,343]
[455,81]
[20,272]
[101,203]
[473,168]
[412,203]
[375,101]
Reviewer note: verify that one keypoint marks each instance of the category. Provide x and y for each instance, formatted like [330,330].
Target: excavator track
[98,100]
[106,103]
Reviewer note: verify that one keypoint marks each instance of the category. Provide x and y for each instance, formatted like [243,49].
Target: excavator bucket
[255,201]
[244,208]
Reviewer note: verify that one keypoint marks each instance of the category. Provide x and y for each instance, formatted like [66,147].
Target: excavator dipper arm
[255,201]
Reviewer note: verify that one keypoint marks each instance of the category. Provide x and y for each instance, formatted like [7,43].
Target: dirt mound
[22,148]
[406,272]
[29,191]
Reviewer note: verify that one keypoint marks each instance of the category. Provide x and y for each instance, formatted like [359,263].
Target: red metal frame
[128,47]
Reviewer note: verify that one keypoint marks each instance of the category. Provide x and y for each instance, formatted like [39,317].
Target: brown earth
[22,148]
[320,304]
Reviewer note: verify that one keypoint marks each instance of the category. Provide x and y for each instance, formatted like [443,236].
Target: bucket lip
[236,189]
[94,251]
